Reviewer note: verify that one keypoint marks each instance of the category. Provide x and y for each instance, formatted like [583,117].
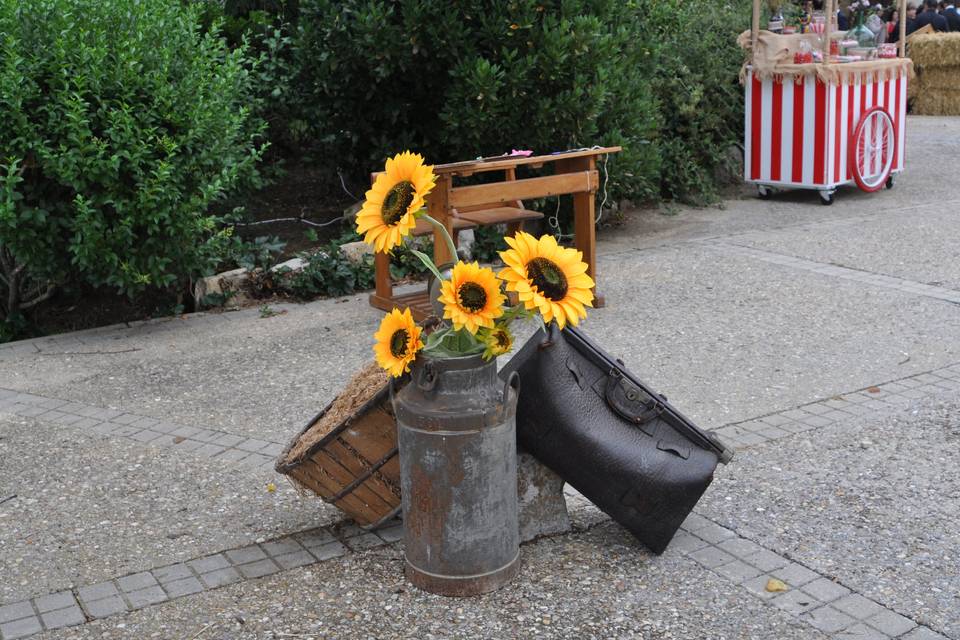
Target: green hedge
[120,123]
[465,78]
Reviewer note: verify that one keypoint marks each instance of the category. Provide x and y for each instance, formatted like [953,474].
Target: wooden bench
[464,207]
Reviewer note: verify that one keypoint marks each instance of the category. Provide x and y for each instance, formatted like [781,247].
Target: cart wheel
[890,182]
[764,192]
[872,148]
[826,197]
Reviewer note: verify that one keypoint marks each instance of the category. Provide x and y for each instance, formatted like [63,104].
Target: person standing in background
[951,15]
[929,16]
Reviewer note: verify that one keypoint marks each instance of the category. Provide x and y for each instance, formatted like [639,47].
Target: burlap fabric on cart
[773,59]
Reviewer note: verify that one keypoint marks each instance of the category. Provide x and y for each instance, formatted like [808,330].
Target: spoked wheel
[872,149]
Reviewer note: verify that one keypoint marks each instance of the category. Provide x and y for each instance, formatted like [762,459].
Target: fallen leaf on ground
[774,585]
[271,487]
[873,389]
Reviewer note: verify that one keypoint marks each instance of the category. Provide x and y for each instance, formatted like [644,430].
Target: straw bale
[936,50]
[937,102]
[940,78]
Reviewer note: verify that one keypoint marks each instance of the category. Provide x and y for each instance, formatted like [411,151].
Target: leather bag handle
[629,401]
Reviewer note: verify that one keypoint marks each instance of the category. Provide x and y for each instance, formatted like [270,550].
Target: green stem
[446,236]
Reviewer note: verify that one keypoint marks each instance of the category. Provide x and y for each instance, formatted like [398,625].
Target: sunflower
[498,341]
[398,342]
[547,277]
[471,297]
[397,194]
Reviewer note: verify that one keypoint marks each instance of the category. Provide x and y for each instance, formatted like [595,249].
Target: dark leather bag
[620,444]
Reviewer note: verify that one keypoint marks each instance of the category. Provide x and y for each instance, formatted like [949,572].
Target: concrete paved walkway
[823,341]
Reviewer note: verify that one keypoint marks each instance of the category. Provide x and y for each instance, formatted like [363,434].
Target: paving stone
[228,440]
[187,445]
[209,563]
[292,560]
[737,571]
[714,533]
[740,547]
[125,418]
[695,522]
[795,602]
[165,427]
[146,436]
[857,606]
[245,555]
[68,419]
[232,455]
[753,426]
[365,541]
[281,547]
[208,450]
[891,623]
[172,573]
[315,538]
[776,420]
[20,628]
[258,569]
[184,432]
[711,557]
[137,581]
[54,601]
[395,534]
[144,422]
[816,408]
[751,439]
[683,542]
[818,421]
[16,611]
[330,550]
[828,619]
[825,590]
[257,459]
[252,445]
[146,597]
[63,617]
[795,575]
[758,587]
[861,631]
[766,560]
[183,587]
[346,529]
[273,449]
[105,607]
[924,633]
[220,577]
[97,591]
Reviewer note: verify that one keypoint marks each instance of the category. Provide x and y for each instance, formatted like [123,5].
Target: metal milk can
[458,475]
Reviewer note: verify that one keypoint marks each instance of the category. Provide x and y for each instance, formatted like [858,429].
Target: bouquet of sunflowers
[550,281]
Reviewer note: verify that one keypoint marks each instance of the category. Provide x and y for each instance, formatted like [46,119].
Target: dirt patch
[359,390]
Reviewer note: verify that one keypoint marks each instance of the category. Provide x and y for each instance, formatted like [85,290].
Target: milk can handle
[513,382]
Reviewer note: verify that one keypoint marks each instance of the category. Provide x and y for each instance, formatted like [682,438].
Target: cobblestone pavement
[136,495]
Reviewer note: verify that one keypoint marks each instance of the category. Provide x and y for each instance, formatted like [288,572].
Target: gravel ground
[873,503]
[91,508]
[597,584]
[728,338]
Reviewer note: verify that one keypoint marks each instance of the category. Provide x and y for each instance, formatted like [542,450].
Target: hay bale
[937,102]
[936,50]
[941,78]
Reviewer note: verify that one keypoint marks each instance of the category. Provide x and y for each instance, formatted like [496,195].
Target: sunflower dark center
[503,340]
[472,296]
[548,278]
[398,343]
[396,202]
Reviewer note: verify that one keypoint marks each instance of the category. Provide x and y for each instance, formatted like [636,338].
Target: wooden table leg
[438,207]
[584,221]
[382,297]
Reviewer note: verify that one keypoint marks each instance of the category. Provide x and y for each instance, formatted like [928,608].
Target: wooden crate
[355,467]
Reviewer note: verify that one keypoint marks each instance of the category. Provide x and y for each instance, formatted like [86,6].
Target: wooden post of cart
[463,207]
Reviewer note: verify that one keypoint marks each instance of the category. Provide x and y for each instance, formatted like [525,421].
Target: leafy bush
[459,79]
[465,78]
[120,123]
[329,273]
[694,68]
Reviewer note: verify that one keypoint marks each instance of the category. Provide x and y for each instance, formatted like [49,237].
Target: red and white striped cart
[822,125]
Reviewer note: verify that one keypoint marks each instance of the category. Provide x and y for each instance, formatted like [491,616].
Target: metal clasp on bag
[652,405]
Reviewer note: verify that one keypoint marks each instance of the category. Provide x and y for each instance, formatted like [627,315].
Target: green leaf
[428,263]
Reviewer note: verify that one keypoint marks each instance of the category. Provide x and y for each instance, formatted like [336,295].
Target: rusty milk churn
[458,475]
